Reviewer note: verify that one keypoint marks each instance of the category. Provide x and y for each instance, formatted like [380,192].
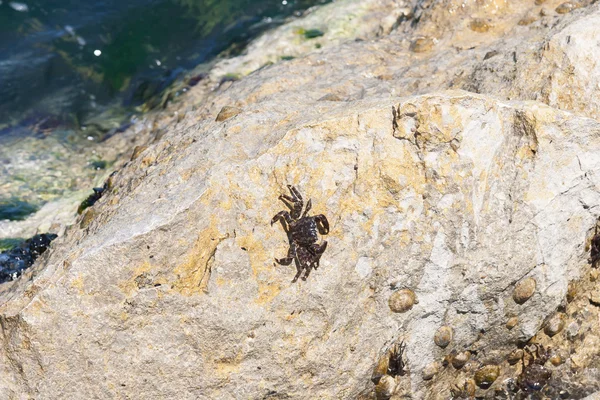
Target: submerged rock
[16,210]
[14,261]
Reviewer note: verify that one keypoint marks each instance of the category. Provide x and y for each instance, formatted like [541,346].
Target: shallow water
[66,58]
[68,65]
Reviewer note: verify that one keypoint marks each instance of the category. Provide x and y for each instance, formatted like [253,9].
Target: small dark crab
[302,233]
[595,248]
[534,375]
[396,365]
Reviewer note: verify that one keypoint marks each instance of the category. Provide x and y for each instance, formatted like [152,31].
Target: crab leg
[297,201]
[307,273]
[308,207]
[282,215]
[290,256]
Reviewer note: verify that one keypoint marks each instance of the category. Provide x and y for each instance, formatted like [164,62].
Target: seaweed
[91,199]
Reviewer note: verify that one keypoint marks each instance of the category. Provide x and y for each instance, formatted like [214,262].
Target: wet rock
[16,210]
[14,261]
[312,33]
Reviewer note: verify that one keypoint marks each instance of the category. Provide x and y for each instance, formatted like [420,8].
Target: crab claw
[322,224]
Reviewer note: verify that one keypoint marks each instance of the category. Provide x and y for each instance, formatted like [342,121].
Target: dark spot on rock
[312,33]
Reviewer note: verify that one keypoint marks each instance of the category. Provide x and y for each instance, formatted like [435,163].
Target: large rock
[173,292]
[167,287]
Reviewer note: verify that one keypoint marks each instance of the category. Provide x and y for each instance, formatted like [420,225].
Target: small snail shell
[555,324]
[443,336]
[486,375]
[524,290]
[515,356]
[385,388]
[402,300]
[430,370]
[381,368]
[460,359]
[512,322]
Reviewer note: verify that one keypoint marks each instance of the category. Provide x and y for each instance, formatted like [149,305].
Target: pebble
[572,330]
[556,359]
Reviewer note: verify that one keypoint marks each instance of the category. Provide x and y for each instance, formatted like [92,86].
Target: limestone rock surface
[170,289]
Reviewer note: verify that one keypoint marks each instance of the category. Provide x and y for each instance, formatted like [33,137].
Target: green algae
[9,243]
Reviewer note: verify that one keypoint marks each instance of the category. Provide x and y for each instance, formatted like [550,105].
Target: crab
[595,249]
[534,375]
[302,233]
[396,363]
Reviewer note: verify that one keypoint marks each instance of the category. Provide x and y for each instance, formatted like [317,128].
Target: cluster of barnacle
[533,361]
[533,376]
[14,261]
